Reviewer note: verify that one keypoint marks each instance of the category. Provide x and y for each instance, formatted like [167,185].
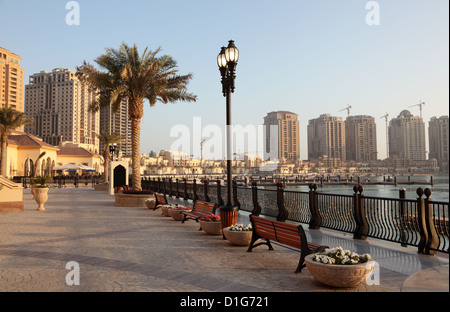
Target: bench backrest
[203,207]
[161,199]
[284,233]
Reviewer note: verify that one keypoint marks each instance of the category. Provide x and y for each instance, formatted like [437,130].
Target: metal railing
[420,222]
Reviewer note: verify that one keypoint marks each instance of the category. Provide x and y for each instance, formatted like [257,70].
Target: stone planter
[101,187]
[238,238]
[211,228]
[131,200]
[41,197]
[32,188]
[151,204]
[339,275]
[165,211]
[176,214]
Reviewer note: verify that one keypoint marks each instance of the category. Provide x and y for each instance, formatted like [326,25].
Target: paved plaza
[123,249]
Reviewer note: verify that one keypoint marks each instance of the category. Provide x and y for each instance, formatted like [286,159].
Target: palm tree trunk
[3,140]
[106,164]
[136,153]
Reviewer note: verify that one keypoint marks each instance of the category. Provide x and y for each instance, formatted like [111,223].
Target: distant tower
[288,134]
[438,133]
[326,137]
[360,138]
[11,80]
[407,137]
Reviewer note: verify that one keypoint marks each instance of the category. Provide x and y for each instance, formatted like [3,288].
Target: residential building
[407,137]
[11,80]
[360,138]
[59,103]
[326,138]
[118,123]
[438,133]
[288,135]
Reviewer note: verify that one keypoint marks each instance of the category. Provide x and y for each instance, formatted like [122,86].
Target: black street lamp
[227,61]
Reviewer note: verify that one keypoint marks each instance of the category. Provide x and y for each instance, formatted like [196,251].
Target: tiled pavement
[122,249]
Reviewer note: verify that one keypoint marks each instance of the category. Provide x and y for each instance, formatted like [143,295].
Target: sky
[307,57]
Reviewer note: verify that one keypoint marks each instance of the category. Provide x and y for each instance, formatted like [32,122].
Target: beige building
[407,137]
[59,104]
[438,132]
[22,155]
[360,138]
[288,134]
[11,80]
[78,155]
[326,137]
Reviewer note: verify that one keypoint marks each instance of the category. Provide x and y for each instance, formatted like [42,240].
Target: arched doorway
[119,176]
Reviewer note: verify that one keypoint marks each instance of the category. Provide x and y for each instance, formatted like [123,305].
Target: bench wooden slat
[286,234]
[199,209]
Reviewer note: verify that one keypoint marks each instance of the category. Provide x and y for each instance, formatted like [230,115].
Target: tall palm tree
[10,119]
[107,139]
[127,74]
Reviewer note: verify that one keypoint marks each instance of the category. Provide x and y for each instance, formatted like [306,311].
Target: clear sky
[308,57]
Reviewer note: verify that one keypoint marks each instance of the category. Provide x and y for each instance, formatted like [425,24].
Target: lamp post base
[228,216]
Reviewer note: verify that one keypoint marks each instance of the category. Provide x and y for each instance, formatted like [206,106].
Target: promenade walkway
[122,249]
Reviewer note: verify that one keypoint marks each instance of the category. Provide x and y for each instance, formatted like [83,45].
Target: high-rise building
[288,134]
[11,80]
[59,103]
[438,133]
[407,137]
[118,123]
[326,137]
[360,138]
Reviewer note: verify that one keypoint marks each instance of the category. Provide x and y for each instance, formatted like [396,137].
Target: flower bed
[211,224]
[338,267]
[176,212]
[165,209]
[238,234]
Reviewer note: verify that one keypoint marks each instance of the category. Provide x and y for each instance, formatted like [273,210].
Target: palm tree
[10,119]
[107,139]
[136,77]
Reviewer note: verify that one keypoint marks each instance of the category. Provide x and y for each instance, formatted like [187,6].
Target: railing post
[164,185]
[235,197]
[362,228]
[178,188]
[316,220]
[220,202]
[402,213]
[433,239]
[205,189]
[194,186]
[421,219]
[186,195]
[256,207]
[170,187]
[282,212]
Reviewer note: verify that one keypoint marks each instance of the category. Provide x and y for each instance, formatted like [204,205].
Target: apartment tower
[407,137]
[11,80]
[360,138]
[438,133]
[288,134]
[59,104]
[326,137]
[118,123]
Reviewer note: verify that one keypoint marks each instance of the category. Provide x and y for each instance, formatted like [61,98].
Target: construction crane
[348,110]
[387,134]
[420,106]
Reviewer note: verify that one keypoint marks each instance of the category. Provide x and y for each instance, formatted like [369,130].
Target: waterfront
[440,187]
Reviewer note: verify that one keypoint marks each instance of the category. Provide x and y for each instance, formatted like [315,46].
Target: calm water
[440,188]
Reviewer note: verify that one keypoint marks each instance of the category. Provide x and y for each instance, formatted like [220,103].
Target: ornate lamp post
[227,61]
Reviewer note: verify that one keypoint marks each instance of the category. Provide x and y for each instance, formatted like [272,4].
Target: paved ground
[122,249]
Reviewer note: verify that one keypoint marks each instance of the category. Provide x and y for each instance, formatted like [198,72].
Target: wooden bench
[199,209]
[284,233]
[160,200]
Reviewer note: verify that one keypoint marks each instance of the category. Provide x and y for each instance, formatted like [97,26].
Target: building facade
[59,103]
[11,80]
[438,133]
[118,123]
[360,138]
[326,138]
[288,134]
[407,137]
